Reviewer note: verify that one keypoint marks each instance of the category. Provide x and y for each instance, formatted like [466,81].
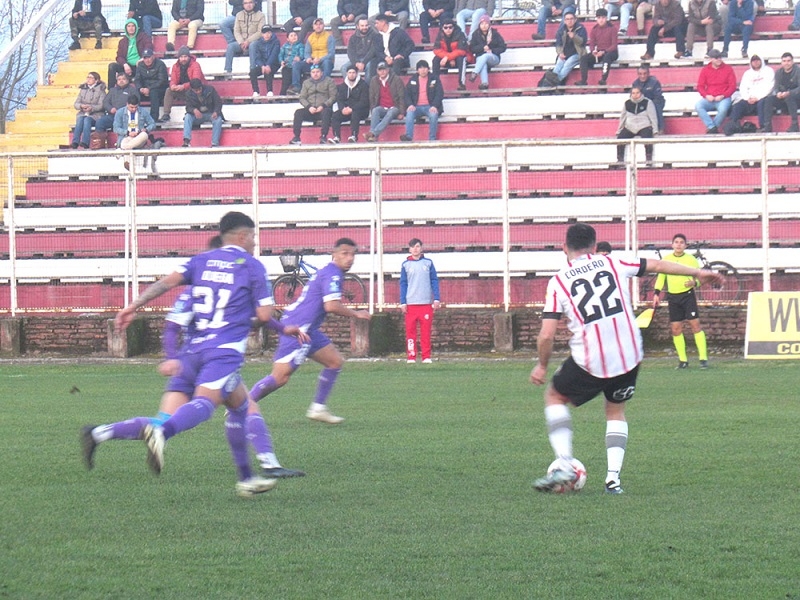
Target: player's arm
[163,285]
[544,347]
[673,268]
[336,307]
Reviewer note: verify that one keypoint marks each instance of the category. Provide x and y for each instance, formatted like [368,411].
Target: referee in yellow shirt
[682,303]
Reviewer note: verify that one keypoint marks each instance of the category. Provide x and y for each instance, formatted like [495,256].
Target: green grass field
[424,491]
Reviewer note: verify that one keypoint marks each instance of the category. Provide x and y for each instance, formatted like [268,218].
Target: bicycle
[730,290]
[287,288]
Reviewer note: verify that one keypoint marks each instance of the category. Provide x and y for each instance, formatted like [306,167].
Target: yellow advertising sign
[773,325]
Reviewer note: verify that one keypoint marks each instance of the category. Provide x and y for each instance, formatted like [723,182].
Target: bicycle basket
[289,261]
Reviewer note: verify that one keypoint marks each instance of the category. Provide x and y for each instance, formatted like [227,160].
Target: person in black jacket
[151,80]
[397,10]
[487,45]
[347,11]
[147,14]
[435,11]
[364,49]
[425,98]
[303,14]
[397,45]
[352,98]
[87,15]
[203,104]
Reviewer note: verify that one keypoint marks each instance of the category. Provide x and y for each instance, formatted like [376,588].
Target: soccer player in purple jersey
[321,295]
[177,327]
[229,289]
[592,291]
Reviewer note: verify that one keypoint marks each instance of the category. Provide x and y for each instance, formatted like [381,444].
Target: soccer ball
[575,485]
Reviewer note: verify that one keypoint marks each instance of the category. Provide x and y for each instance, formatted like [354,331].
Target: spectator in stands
[716,85]
[133,125]
[570,46]
[147,14]
[785,93]
[320,49]
[741,17]
[651,89]
[303,14]
[486,45]
[292,57]
[396,10]
[669,20]
[347,11]
[116,98]
[364,49]
[756,84]
[703,17]
[89,105]
[644,8]
[434,11]
[450,50]
[246,30]
[623,8]
[352,100]
[387,100]
[795,24]
[424,100]
[226,25]
[316,101]
[151,81]
[203,105]
[602,48]
[87,16]
[397,45]
[264,60]
[186,14]
[129,51]
[637,119]
[183,71]
[473,10]
[549,10]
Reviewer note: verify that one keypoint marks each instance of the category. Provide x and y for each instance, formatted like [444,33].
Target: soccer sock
[124,430]
[258,435]
[235,431]
[559,429]
[700,341]
[680,346]
[327,377]
[263,388]
[616,440]
[189,415]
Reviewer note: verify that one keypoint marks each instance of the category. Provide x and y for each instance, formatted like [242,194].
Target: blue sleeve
[403,283]
[331,47]
[434,283]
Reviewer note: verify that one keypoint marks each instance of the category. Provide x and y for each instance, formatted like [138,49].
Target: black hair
[133,100]
[215,242]
[414,242]
[234,220]
[345,242]
[581,237]
[603,247]
[679,235]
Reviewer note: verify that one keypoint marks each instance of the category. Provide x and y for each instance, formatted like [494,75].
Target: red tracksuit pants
[422,314]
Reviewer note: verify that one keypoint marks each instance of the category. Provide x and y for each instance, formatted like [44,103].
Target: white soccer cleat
[154,439]
[323,415]
[254,485]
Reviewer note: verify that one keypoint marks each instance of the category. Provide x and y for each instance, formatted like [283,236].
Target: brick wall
[454,330]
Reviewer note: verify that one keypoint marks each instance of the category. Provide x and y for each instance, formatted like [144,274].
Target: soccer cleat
[613,487]
[154,439]
[254,485]
[281,473]
[554,480]
[324,416]
[88,446]
[682,365]
[703,364]
[427,361]
[412,361]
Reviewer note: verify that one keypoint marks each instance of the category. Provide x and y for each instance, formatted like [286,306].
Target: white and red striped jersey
[593,292]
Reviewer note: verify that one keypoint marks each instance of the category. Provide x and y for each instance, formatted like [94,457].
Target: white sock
[317,407]
[616,440]
[102,433]
[559,429]
[268,460]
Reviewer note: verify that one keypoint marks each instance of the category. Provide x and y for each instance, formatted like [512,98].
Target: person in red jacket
[716,85]
[181,74]
[450,49]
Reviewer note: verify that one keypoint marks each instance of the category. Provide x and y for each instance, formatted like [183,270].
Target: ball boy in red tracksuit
[419,297]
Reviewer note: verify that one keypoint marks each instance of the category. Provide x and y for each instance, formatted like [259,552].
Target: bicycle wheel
[287,288]
[353,290]
[729,290]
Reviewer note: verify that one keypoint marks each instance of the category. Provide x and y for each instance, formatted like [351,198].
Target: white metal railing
[561,183]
